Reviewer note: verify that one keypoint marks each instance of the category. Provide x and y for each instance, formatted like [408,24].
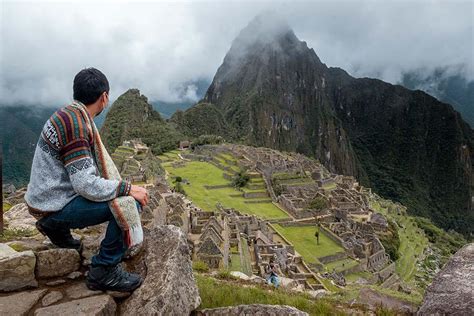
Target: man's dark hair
[89,84]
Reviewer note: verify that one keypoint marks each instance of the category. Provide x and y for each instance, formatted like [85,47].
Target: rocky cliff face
[452,290]
[273,91]
[413,148]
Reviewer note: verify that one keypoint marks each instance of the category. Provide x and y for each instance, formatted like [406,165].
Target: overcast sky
[160,47]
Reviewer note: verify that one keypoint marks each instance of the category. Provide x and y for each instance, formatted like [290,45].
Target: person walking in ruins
[75,184]
[272,274]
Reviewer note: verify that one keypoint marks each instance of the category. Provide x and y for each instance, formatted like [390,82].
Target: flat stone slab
[51,298]
[17,269]
[102,305]
[452,289]
[20,303]
[57,262]
[80,290]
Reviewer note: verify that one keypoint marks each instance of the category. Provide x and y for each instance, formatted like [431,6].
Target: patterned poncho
[70,160]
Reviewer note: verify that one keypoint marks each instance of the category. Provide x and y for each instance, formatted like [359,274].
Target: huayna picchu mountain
[273,91]
[131,116]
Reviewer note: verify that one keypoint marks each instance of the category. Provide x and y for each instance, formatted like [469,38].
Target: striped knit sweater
[64,165]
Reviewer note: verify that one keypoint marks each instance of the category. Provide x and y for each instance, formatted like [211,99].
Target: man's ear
[104,98]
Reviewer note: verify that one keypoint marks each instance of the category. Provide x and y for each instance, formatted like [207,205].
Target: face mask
[102,110]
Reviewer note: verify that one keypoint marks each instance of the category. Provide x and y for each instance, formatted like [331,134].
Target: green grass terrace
[217,293]
[305,244]
[202,174]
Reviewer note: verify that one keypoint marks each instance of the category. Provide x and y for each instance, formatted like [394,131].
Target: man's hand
[140,194]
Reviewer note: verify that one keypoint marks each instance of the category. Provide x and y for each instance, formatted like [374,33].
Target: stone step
[258,201]
[17,269]
[95,305]
[20,303]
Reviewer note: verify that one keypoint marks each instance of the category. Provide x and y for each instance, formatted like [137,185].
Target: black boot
[61,238]
[106,278]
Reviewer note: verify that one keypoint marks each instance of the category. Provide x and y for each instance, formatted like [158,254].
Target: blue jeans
[273,279]
[81,213]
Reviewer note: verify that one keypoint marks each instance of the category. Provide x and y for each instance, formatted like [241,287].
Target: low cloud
[163,47]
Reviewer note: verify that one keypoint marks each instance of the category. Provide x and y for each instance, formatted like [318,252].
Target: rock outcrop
[19,218]
[169,287]
[17,269]
[253,309]
[452,290]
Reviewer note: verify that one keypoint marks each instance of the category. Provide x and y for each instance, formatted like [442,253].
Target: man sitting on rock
[74,184]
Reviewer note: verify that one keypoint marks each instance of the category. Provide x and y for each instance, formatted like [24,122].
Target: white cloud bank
[159,46]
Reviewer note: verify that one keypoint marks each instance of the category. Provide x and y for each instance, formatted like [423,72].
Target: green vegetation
[412,245]
[224,274]
[6,207]
[207,140]
[246,264]
[341,265]
[240,179]
[281,176]
[329,186]
[200,266]
[391,241]
[351,292]
[330,286]
[201,119]
[169,156]
[201,174]
[434,189]
[412,240]
[17,247]
[20,126]
[448,243]
[352,277]
[178,186]
[236,264]
[319,203]
[305,242]
[13,234]
[131,116]
[215,293]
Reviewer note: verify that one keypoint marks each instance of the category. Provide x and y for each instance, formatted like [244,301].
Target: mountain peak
[265,27]
[265,30]
[265,43]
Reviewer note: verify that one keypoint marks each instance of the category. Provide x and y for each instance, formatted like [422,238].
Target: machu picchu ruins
[346,217]
[323,231]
